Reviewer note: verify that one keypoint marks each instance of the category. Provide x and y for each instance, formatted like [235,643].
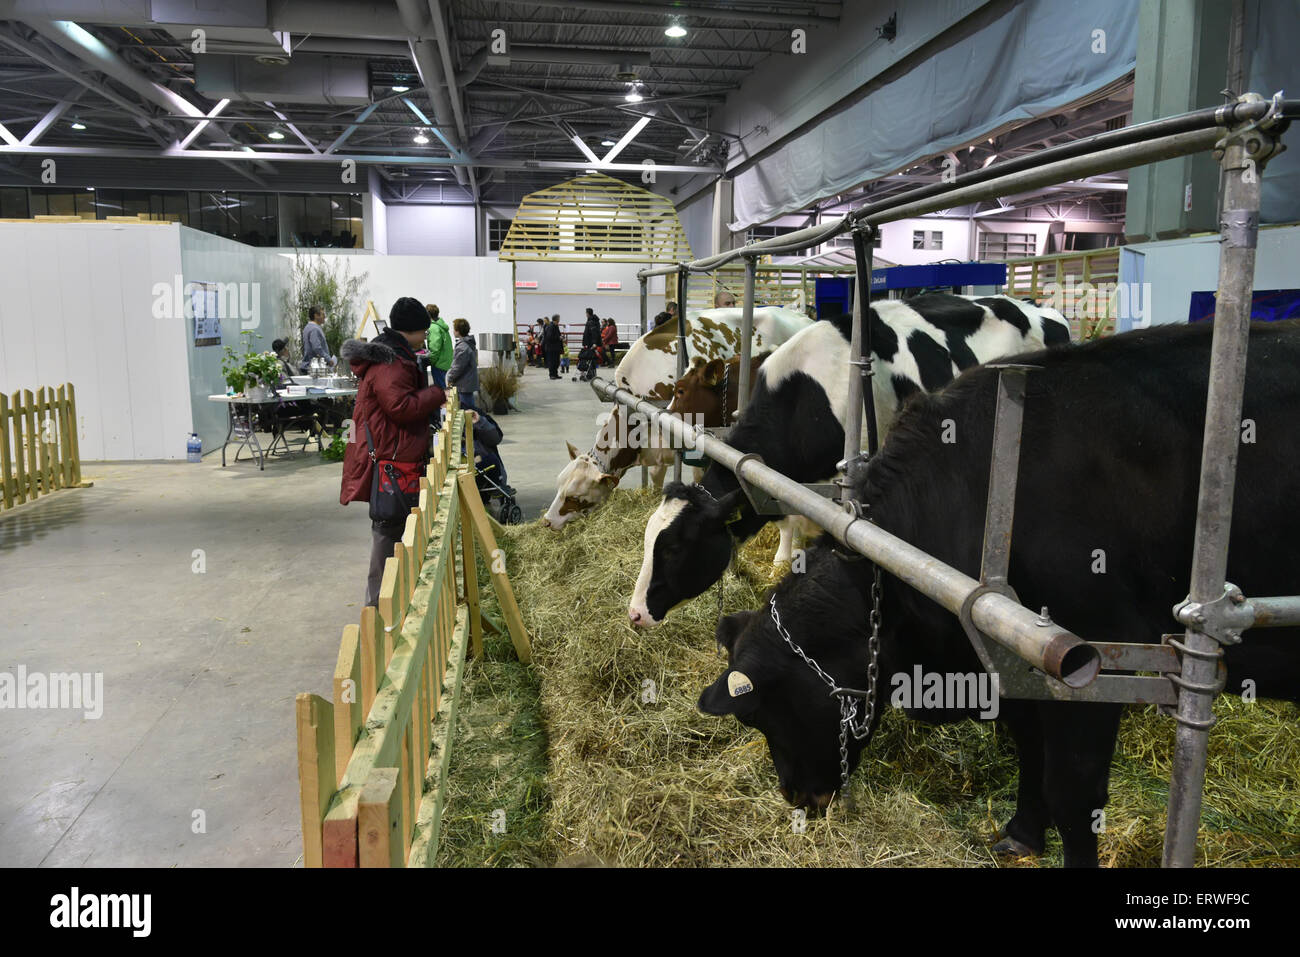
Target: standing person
[313,339]
[440,348]
[392,411]
[463,374]
[591,332]
[609,338]
[552,345]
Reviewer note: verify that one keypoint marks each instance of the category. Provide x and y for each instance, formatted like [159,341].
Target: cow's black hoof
[1009,847]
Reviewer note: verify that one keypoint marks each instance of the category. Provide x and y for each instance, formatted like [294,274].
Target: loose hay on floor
[636,776]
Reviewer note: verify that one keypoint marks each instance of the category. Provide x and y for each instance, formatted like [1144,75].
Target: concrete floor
[193,761]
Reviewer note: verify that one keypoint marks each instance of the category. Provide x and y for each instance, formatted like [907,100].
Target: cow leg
[657,472]
[1078,744]
[1025,833]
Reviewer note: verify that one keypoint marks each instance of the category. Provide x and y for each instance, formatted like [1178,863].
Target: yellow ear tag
[738,683]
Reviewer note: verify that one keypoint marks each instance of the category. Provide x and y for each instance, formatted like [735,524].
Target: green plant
[232,363]
[334,451]
[328,282]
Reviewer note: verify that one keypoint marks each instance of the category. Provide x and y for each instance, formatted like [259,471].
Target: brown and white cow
[650,370]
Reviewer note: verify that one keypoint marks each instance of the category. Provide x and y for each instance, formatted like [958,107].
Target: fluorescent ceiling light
[606,142]
[400,89]
[275,135]
[421,138]
[633,96]
[675,30]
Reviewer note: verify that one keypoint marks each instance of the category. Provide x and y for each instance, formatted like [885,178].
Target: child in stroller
[490,472]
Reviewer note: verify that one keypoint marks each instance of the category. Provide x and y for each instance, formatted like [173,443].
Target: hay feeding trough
[634,775]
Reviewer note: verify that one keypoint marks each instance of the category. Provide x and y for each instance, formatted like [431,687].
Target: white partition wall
[254,282]
[79,307]
[477,288]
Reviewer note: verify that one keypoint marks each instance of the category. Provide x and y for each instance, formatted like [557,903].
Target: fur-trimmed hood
[356,350]
[379,351]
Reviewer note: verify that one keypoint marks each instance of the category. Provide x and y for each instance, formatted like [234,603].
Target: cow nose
[546,521]
[634,616]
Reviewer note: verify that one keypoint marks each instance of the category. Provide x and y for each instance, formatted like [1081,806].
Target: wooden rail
[39,453]
[1082,285]
[372,762]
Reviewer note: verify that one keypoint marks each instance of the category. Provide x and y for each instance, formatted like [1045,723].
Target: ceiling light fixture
[421,138]
[632,95]
[400,89]
[78,125]
[675,30]
[275,135]
[606,142]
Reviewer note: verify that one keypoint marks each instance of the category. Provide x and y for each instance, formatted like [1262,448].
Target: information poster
[207,318]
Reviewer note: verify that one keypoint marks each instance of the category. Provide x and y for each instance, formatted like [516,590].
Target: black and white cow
[1110,461]
[795,421]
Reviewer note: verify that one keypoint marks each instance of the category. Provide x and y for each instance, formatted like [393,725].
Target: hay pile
[636,782]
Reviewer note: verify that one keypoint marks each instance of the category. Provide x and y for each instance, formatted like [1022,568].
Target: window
[921,239]
[497,230]
[999,247]
[759,233]
[13,202]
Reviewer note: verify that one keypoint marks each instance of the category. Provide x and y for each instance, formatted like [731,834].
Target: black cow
[1110,461]
[795,421]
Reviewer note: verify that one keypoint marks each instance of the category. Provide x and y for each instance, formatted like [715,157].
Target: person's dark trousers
[439,377]
[383,536]
[553,362]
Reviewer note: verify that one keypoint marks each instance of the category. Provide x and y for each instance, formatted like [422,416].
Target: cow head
[768,687]
[698,395]
[581,486]
[687,548]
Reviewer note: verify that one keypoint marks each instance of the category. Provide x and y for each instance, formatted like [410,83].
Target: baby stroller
[490,472]
[588,361]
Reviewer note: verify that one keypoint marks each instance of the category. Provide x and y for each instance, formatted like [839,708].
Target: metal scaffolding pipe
[1244,156]
[1106,152]
[1052,649]
[746,338]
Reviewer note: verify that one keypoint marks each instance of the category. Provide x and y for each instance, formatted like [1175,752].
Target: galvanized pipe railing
[1051,649]
[1182,135]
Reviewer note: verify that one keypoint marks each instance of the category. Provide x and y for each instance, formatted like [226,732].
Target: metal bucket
[496,342]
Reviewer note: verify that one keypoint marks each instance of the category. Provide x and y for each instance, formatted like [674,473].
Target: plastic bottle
[194,448]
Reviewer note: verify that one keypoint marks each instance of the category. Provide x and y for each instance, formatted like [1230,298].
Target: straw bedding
[597,755]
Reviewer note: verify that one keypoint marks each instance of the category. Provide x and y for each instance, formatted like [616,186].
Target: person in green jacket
[440,346]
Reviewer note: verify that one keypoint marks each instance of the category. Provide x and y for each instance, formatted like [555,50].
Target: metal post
[645,325]
[1244,154]
[746,335]
[1004,469]
[683,287]
[860,360]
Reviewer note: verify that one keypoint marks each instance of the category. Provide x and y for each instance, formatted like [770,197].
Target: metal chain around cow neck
[850,721]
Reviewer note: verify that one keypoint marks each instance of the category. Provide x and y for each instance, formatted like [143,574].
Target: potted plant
[253,373]
[498,385]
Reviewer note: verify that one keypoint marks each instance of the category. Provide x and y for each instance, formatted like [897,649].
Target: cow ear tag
[738,683]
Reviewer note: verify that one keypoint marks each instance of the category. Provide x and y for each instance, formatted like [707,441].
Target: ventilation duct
[309,78]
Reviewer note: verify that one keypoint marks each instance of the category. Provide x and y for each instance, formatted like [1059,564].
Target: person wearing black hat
[281,349]
[392,411]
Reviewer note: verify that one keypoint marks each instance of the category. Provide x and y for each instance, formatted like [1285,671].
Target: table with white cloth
[242,412]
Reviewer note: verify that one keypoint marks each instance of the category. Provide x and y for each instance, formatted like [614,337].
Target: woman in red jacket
[395,401]
[609,338]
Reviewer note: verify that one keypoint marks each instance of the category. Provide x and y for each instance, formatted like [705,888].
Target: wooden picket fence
[372,763]
[38,443]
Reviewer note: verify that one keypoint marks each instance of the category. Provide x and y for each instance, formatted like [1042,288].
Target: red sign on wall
[609,285]
[525,283]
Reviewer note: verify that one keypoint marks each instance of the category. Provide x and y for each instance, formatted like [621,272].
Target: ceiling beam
[247,154]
